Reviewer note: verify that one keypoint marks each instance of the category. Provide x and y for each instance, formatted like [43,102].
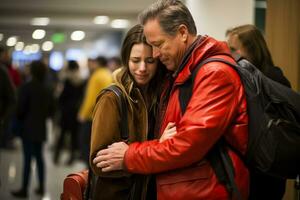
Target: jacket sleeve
[105,129]
[208,114]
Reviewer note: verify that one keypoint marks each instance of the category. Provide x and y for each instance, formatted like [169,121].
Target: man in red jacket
[217,108]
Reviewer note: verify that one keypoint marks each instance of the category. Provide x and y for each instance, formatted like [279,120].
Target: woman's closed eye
[135,60]
[150,60]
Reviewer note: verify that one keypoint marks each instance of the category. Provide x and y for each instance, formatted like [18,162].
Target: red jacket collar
[204,47]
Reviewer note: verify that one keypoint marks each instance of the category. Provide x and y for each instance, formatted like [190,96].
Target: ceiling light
[38,34]
[1,36]
[27,49]
[120,23]
[40,21]
[101,20]
[35,48]
[19,46]
[11,41]
[77,35]
[47,46]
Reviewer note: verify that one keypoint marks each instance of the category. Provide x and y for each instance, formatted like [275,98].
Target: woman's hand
[169,132]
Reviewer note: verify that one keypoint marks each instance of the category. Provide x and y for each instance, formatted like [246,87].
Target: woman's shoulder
[106,95]
[112,94]
[276,74]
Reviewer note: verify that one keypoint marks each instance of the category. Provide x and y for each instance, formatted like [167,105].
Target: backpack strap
[218,156]
[123,110]
[229,171]
[186,88]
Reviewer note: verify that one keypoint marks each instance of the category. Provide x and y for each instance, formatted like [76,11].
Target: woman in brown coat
[139,71]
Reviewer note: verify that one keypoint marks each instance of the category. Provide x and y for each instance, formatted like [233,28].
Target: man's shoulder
[219,63]
[220,69]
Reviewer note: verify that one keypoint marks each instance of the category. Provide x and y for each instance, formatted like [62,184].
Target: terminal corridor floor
[11,173]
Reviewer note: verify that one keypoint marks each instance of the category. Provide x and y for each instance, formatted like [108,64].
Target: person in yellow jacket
[100,78]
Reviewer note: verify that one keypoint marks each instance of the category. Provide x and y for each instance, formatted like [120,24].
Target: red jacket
[15,76]
[217,108]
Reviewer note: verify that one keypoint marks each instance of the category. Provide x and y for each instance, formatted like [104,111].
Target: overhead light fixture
[38,34]
[101,20]
[31,49]
[19,46]
[47,46]
[40,21]
[1,36]
[27,50]
[120,23]
[77,35]
[11,41]
[35,48]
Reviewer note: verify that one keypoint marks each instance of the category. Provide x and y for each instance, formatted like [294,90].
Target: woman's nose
[142,66]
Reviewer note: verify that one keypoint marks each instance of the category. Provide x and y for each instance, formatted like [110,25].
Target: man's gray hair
[170,14]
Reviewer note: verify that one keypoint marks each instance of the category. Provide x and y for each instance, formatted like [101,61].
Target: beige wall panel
[283,37]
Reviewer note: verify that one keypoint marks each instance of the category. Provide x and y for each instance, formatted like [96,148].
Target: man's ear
[183,32]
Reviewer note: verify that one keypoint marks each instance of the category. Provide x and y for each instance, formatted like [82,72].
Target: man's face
[168,48]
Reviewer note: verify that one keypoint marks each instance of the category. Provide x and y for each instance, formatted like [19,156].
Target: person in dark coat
[7,101]
[9,80]
[69,103]
[249,42]
[35,105]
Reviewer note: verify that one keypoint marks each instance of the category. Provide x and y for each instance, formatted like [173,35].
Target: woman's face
[142,65]
[236,46]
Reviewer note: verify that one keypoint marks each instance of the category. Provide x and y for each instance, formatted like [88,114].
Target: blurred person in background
[100,77]
[35,105]
[114,63]
[7,102]
[68,103]
[9,122]
[248,42]
[5,59]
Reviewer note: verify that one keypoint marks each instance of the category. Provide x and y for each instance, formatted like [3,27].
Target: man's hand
[111,159]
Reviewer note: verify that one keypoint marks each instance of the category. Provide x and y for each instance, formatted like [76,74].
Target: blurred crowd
[36,93]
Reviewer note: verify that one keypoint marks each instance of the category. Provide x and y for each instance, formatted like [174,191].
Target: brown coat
[105,131]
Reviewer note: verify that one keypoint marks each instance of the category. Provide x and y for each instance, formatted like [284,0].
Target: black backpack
[274,121]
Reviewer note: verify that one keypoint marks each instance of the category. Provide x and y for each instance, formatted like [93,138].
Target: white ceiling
[65,16]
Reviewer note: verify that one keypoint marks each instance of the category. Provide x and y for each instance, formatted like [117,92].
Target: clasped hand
[112,158]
